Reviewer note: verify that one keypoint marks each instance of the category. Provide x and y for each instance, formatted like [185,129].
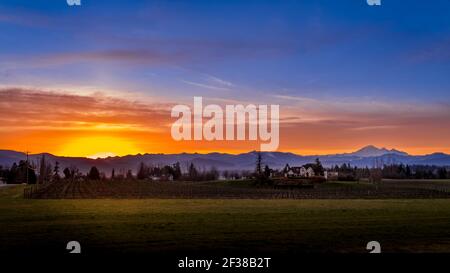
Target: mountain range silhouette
[369,156]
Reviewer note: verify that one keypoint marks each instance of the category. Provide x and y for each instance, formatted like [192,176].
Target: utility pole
[27,166]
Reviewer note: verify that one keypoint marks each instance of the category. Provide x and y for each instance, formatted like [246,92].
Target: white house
[309,172]
[299,172]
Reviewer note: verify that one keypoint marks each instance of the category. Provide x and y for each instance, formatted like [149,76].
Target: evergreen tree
[192,172]
[42,170]
[266,171]
[56,176]
[442,173]
[67,174]
[25,173]
[129,175]
[93,174]
[408,172]
[258,169]
[176,171]
[12,175]
[319,170]
[142,172]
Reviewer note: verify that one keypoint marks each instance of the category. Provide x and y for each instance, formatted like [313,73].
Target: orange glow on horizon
[98,147]
[128,143]
[90,126]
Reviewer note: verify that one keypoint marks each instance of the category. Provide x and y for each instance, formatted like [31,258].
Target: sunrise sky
[101,79]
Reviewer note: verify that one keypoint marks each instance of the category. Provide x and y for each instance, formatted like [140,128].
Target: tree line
[45,172]
[393,171]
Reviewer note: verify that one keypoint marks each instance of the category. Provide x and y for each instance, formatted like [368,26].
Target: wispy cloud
[376,127]
[360,105]
[207,86]
[49,116]
[350,118]
[435,51]
[219,81]
[25,18]
[35,109]
[124,56]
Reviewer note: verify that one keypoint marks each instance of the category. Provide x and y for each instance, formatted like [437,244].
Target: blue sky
[368,74]
[321,49]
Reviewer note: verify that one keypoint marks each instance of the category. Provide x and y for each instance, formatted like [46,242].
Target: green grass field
[215,225]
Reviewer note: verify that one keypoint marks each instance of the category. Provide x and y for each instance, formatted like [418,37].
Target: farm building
[303,171]
[331,175]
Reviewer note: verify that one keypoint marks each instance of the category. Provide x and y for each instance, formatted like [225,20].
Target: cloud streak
[38,118]
[36,109]
[207,86]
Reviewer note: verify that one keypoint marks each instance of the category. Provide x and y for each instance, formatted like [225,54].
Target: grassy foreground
[234,226]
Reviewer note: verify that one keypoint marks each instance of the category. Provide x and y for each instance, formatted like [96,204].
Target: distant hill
[368,156]
[370,151]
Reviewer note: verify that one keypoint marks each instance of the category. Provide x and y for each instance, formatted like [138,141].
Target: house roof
[305,167]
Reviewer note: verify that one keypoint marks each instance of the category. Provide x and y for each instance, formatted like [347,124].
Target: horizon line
[217,152]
